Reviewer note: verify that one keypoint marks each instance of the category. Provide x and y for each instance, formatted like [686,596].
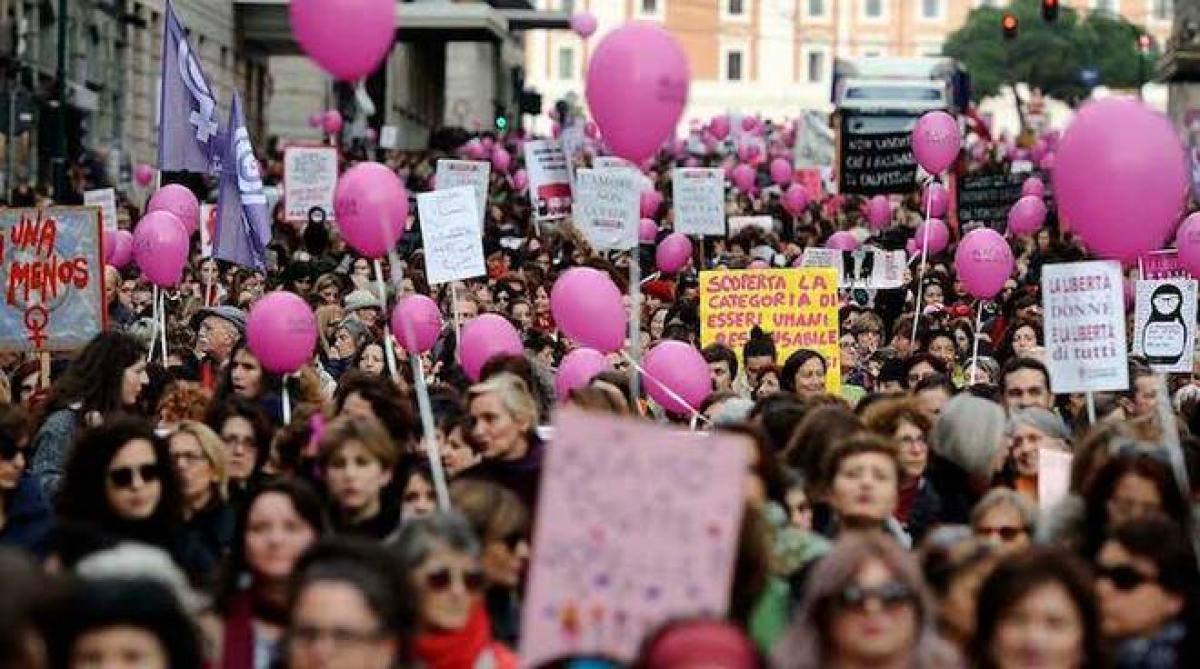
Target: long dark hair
[271,383]
[1096,496]
[240,407]
[95,376]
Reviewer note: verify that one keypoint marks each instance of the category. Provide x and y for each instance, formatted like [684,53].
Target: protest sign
[1163,264]
[309,179]
[450,235]
[52,273]
[106,199]
[615,163]
[455,173]
[549,180]
[1164,324]
[798,307]
[867,269]
[876,155]
[698,198]
[986,198]
[208,228]
[813,146]
[638,525]
[389,137]
[1084,305]
[1054,477]
[739,223]
[606,208]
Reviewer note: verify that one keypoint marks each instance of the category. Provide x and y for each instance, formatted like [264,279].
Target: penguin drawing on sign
[1165,332]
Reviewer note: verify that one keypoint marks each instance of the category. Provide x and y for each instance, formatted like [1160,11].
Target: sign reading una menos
[798,307]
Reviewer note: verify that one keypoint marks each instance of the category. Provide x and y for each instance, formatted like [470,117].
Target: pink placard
[637,525]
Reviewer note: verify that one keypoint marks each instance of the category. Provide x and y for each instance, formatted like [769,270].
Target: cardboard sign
[52,273]
[1164,324]
[389,137]
[638,525]
[549,179]
[866,269]
[1163,264]
[876,155]
[698,199]
[208,228]
[455,173]
[739,223]
[450,235]
[309,179]
[606,208]
[1054,477]
[1084,304]
[986,198]
[798,307]
[106,199]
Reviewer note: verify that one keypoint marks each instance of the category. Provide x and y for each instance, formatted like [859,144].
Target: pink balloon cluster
[281,331]
[160,248]
[795,199]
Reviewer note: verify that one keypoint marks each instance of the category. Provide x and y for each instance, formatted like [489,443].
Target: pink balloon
[681,368]
[795,199]
[984,262]
[749,123]
[416,322]
[747,152]
[743,177]
[719,127]
[347,38]
[577,369]
[122,253]
[936,200]
[1033,186]
[180,201]
[160,247]
[939,236]
[316,119]
[1123,178]
[758,264]
[476,150]
[587,307]
[1187,240]
[935,141]
[1027,215]
[637,86]
[673,253]
[781,172]
[501,160]
[520,180]
[650,201]
[879,212]
[583,23]
[485,337]
[842,241]
[143,174]
[488,143]
[332,122]
[647,231]
[281,331]
[371,206]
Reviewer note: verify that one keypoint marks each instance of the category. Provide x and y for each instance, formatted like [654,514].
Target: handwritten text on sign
[699,199]
[798,307]
[450,234]
[1084,304]
[50,269]
[455,173]
[606,208]
[309,179]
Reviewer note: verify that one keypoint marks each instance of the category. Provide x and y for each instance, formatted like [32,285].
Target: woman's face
[1003,526]
[238,435]
[1133,498]
[418,497]
[275,536]
[768,384]
[1027,440]
[330,294]
[196,473]
[362,268]
[448,584]
[658,323]
[457,454]
[208,272]
[132,381]
[119,647]
[1042,629]
[246,375]
[495,429]
[12,464]
[133,481]
[343,344]
[355,478]
[1043,240]
[942,348]
[522,313]
[333,626]
[919,372]
[1024,341]
[914,452]
[810,377]
[799,509]
[874,619]
[865,488]
[504,560]
[848,347]
[371,360]
[934,294]
[541,300]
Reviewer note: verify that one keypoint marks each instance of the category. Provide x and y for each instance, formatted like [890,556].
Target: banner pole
[975,344]
[388,349]
[635,321]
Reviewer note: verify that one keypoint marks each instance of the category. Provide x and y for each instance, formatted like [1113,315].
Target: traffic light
[501,123]
[1050,11]
[1010,25]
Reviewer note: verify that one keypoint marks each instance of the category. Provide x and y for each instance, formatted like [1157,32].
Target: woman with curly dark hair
[247,432]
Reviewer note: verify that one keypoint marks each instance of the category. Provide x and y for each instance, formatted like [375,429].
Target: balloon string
[427,426]
[154,329]
[696,415]
[924,254]
[162,325]
[975,344]
[286,401]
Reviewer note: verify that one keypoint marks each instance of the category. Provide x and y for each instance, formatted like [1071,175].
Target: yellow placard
[798,307]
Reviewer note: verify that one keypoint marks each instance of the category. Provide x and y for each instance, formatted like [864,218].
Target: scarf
[461,649]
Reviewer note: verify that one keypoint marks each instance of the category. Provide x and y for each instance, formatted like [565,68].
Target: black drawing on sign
[858,267]
[1165,332]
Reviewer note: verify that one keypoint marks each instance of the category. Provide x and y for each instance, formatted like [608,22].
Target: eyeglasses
[890,595]
[1123,577]
[441,580]
[1006,533]
[122,477]
[186,458]
[339,637]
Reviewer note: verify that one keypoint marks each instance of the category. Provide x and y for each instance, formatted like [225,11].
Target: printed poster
[309,179]
[52,272]
[1084,306]
[106,199]
[865,269]
[607,208]
[638,525]
[1164,324]
[549,180]
[698,196]
[798,307]
[473,173]
[450,235]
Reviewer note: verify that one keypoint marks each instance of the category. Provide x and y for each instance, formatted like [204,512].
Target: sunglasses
[1006,533]
[890,595]
[122,477]
[440,580]
[1123,577]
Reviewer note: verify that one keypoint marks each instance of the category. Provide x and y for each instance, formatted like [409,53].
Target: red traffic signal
[1050,10]
[1010,24]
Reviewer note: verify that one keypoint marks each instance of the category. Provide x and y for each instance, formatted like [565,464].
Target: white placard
[549,180]
[309,179]
[698,199]
[615,163]
[607,208]
[389,137]
[739,223]
[1164,325]
[473,173]
[1084,305]
[1054,477]
[865,269]
[106,199]
[450,235]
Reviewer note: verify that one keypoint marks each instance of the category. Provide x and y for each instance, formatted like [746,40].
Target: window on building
[816,7]
[566,63]
[649,6]
[734,61]
[873,9]
[1161,10]
[931,9]
[736,7]
[815,67]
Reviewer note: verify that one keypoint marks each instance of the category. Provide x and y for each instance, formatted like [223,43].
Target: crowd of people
[162,513]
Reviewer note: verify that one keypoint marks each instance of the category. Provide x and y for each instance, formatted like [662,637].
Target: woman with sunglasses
[441,557]
[202,466]
[1006,519]
[357,459]
[25,517]
[866,606]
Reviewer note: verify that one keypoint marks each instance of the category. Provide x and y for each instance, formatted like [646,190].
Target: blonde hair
[514,395]
[365,430]
[214,450]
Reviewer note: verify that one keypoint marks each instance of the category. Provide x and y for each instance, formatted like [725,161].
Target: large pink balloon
[743,177]
[583,23]
[681,368]
[647,231]
[983,261]
[879,212]
[178,200]
[122,249]
[842,241]
[332,122]
[649,202]
[936,139]
[416,322]
[347,38]
[143,174]
[501,160]
[637,86]
[1187,240]
[795,199]
[939,236]
[1027,215]
[1121,178]
[281,331]
[1033,186]
[781,171]
[587,307]
[936,200]
[160,247]
[719,127]
[673,253]
[577,369]
[371,206]
[486,337]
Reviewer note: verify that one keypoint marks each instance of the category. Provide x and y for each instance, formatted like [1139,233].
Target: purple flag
[187,128]
[243,222]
